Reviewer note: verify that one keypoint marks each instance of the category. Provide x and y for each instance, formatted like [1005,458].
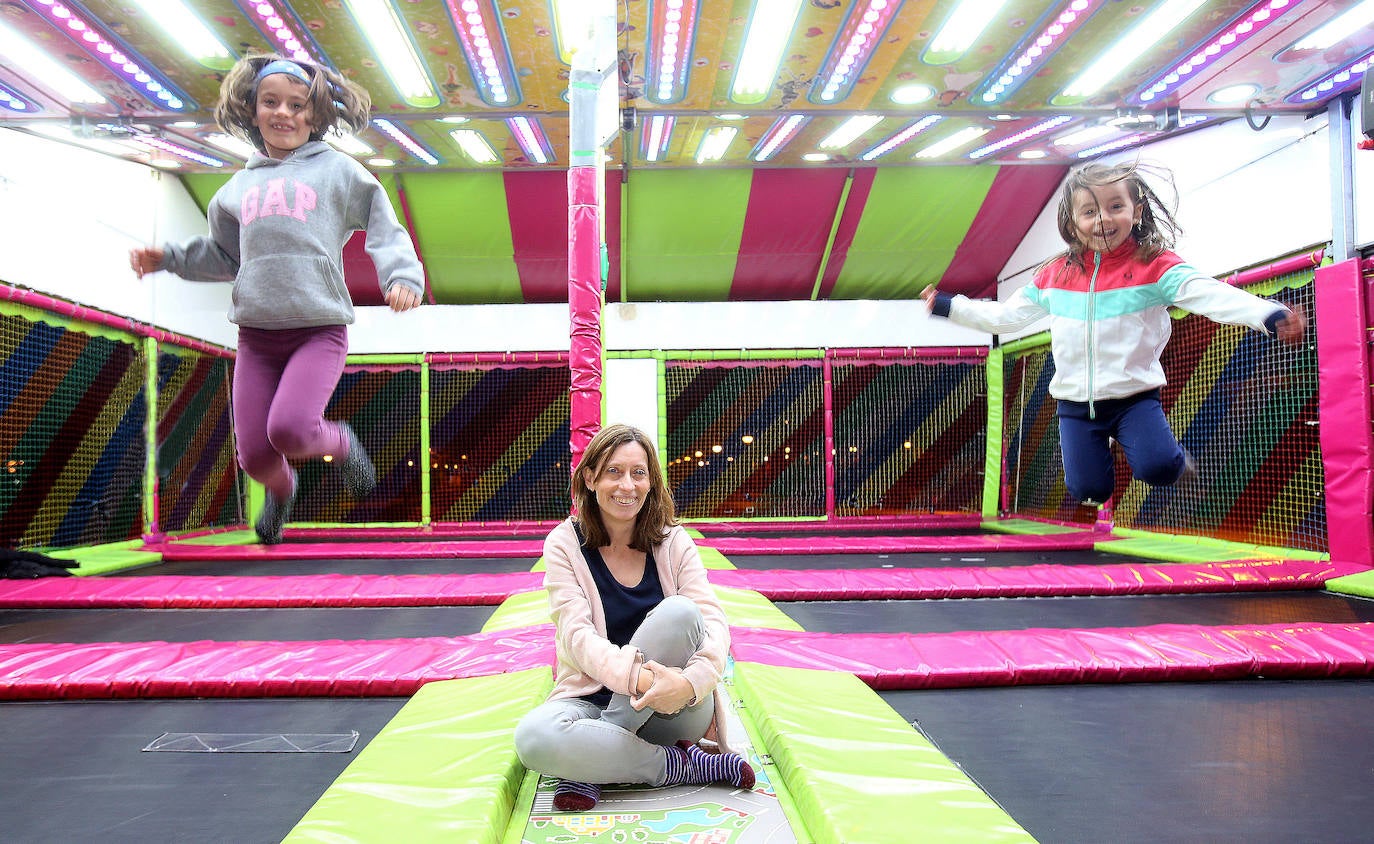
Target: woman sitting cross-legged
[641,639]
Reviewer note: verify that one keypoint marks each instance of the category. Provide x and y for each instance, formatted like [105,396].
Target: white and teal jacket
[1109,320]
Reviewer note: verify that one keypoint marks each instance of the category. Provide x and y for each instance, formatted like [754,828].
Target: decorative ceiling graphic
[835,95]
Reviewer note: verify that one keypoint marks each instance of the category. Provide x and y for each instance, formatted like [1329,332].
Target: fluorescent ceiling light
[188,33]
[901,137]
[351,144]
[390,40]
[1031,154]
[770,30]
[1086,136]
[1121,55]
[716,142]
[912,94]
[961,138]
[961,29]
[1338,28]
[230,144]
[849,130]
[815,156]
[783,130]
[1234,93]
[474,145]
[38,65]
[657,132]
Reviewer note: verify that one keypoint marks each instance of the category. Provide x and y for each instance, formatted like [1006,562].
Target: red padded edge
[442,530]
[1032,581]
[1024,657]
[412,550]
[902,544]
[323,590]
[378,668]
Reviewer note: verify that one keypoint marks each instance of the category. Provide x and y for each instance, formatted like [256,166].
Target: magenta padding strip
[945,520]
[413,550]
[1025,657]
[1274,269]
[375,668]
[38,300]
[1342,387]
[322,590]
[1031,581]
[901,544]
[438,530]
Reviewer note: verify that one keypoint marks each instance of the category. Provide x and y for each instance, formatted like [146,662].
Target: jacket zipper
[1092,330]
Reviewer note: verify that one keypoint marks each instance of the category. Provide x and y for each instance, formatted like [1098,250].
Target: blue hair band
[283,66]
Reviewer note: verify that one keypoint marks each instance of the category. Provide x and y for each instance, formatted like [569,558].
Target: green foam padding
[444,769]
[713,559]
[856,770]
[1196,549]
[523,609]
[233,537]
[1030,527]
[694,533]
[747,608]
[105,560]
[1360,585]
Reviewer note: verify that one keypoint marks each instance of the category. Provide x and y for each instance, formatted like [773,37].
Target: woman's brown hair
[657,514]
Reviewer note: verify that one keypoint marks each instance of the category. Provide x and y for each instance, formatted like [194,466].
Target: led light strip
[783,130]
[1250,23]
[110,51]
[478,25]
[176,149]
[279,22]
[1013,73]
[855,40]
[1129,140]
[654,136]
[902,137]
[410,145]
[1334,81]
[672,29]
[14,101]
[1024,135]
[531,138]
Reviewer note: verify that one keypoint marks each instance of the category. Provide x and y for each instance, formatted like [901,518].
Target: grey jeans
[574,739]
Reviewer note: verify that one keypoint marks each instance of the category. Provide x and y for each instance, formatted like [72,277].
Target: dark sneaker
[273,518]
[358,473]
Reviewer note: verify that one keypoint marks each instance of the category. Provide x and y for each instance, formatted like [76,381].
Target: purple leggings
[282,383]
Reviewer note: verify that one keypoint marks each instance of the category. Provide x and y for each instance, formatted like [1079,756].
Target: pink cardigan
[587,660]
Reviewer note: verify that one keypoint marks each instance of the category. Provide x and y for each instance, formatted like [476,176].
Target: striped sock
[688,763]
[571,796]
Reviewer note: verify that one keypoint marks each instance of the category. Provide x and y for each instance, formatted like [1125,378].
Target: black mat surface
[293,625]
[1258,762]
[802,530]
[76,772]
[257,568]
[927,559]
[941,616]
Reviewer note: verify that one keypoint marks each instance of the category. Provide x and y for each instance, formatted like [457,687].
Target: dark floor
[257,568]
[1250,762]
[75,772]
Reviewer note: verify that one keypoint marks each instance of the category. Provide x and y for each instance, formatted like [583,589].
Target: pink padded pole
[1343,381]
[584,306]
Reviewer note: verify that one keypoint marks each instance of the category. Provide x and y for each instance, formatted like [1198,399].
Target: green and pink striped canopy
[716,235]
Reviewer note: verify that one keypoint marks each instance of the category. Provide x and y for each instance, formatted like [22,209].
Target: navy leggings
[1138,423]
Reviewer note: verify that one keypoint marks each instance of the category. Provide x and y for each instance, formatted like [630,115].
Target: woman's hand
[402,298]
[669,693]
[146,259]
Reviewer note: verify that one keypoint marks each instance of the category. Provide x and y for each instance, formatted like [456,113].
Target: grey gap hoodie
[277,230]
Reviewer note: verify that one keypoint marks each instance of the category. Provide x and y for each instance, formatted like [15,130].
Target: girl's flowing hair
[336,101]
[657,514]
[1157,230]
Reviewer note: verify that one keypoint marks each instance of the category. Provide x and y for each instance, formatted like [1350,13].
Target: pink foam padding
[1023,657]
[382,668]
[1031,581]
[444,530]
[950,520]
[902,544]
[323,590]
[413,550]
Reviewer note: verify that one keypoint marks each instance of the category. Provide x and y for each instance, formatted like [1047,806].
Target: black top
[624,606]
